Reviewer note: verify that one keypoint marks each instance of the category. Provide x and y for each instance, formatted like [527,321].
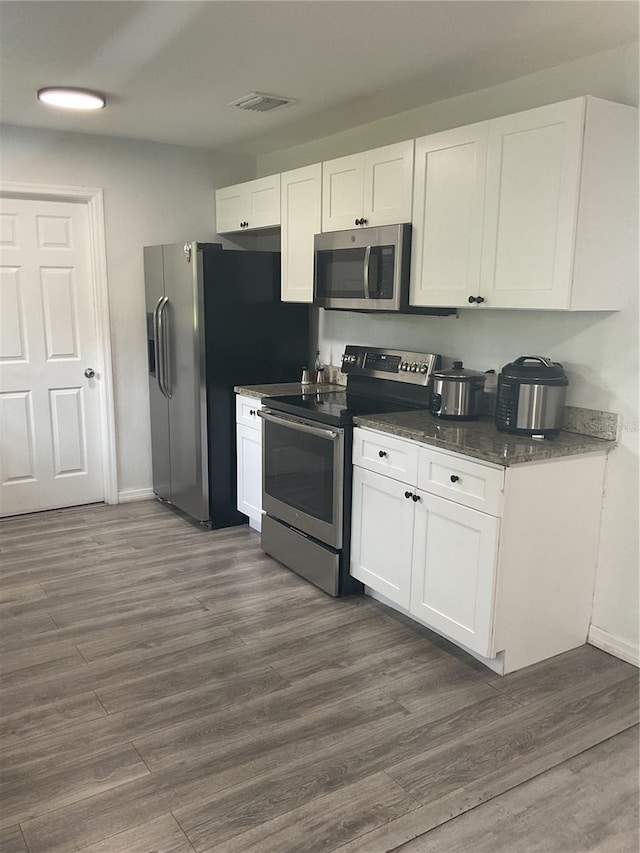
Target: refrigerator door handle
[156,345]
[163,366]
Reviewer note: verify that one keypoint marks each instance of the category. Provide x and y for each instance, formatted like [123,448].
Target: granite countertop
[480,439]
[275,390]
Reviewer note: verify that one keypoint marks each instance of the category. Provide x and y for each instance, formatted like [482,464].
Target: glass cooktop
[335,407]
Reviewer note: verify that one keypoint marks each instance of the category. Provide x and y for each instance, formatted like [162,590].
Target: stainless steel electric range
[306,472]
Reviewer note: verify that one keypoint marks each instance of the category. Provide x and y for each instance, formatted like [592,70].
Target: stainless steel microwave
[363,269]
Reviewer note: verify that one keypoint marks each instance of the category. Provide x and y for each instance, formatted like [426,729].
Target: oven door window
[300,470]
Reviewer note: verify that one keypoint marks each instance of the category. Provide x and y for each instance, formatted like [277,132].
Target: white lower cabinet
[249,459]
[432,557]
[499,560]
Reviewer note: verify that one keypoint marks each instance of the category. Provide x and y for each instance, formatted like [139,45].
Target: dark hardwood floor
[170,689]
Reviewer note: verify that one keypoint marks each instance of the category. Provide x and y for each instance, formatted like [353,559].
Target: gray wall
[152,194]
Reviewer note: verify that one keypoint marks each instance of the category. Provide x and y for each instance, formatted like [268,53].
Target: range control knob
[423,368]
[414,367]
[404,365]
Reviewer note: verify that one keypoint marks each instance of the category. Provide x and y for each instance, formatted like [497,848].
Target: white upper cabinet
[301,200]
[249,206]
[532,204]
[369,189]
[553,193]
[448,209]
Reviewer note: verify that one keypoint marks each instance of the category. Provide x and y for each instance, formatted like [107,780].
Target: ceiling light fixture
[69,98]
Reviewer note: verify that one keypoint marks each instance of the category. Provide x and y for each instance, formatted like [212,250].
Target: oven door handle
[278,418]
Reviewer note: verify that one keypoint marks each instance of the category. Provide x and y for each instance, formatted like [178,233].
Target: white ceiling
[169,68]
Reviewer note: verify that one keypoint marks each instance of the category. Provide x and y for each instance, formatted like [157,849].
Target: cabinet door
[249,471]
[230,208]
[388,184]
[301,204]
[342,187]
[448,209]
[454,571]
[381,535]
[263,202]
[533,175]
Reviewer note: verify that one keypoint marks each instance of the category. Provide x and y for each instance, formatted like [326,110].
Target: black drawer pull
[252,411]
[415,498]
[408,495]
[382,453]
[454,478]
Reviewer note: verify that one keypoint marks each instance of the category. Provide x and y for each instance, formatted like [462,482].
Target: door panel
[447,215]
[158,403]
[187,406]
[51,443]
[454,568]
[378,559]
[533,176]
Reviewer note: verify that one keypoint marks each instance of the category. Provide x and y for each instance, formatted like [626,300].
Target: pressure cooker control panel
[507,403]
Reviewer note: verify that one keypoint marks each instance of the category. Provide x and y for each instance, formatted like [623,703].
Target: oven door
[303,475]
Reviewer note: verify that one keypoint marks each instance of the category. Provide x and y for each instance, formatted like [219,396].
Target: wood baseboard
[621,648]
[135,495]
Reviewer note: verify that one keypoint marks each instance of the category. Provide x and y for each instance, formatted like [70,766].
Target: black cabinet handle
[408,495]
[357,222]
[363,222]
[415,498]
[252,411]
[382,453]
[454,478]
[478,299]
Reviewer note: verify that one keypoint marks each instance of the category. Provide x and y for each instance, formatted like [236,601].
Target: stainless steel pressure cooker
[457,393]
[531,395]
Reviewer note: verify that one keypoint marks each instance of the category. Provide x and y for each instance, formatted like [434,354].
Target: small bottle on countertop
[318,369]
[306,379]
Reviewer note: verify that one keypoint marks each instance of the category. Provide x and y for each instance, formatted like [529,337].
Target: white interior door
[50,430]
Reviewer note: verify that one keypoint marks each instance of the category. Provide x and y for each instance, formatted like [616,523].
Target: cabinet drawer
[247,409]
[385,454]
[466,482]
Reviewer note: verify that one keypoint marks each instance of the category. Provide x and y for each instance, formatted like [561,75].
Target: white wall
[599,351]
[152,194]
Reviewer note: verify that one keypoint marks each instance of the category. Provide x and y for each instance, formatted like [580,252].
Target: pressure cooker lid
[459,373]
[535,368]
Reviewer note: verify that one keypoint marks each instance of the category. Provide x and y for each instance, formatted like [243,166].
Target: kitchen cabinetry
[249,459]
[370,188]
[487,556]
[448,211]
[249,206]
[531,210]
[301,199]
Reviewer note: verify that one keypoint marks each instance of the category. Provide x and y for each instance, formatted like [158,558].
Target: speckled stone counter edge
[275,390]
[480,439]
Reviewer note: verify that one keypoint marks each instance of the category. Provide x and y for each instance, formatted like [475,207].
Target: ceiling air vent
[258,102]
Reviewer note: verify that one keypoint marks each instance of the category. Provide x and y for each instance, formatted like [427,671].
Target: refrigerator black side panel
[251,338]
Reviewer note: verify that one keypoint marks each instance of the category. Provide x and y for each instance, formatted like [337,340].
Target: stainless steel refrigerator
[214,320]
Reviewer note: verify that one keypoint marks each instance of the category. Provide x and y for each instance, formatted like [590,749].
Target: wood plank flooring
[170,689]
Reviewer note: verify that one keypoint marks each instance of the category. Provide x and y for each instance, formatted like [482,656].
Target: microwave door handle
[277,418]
[367,261]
